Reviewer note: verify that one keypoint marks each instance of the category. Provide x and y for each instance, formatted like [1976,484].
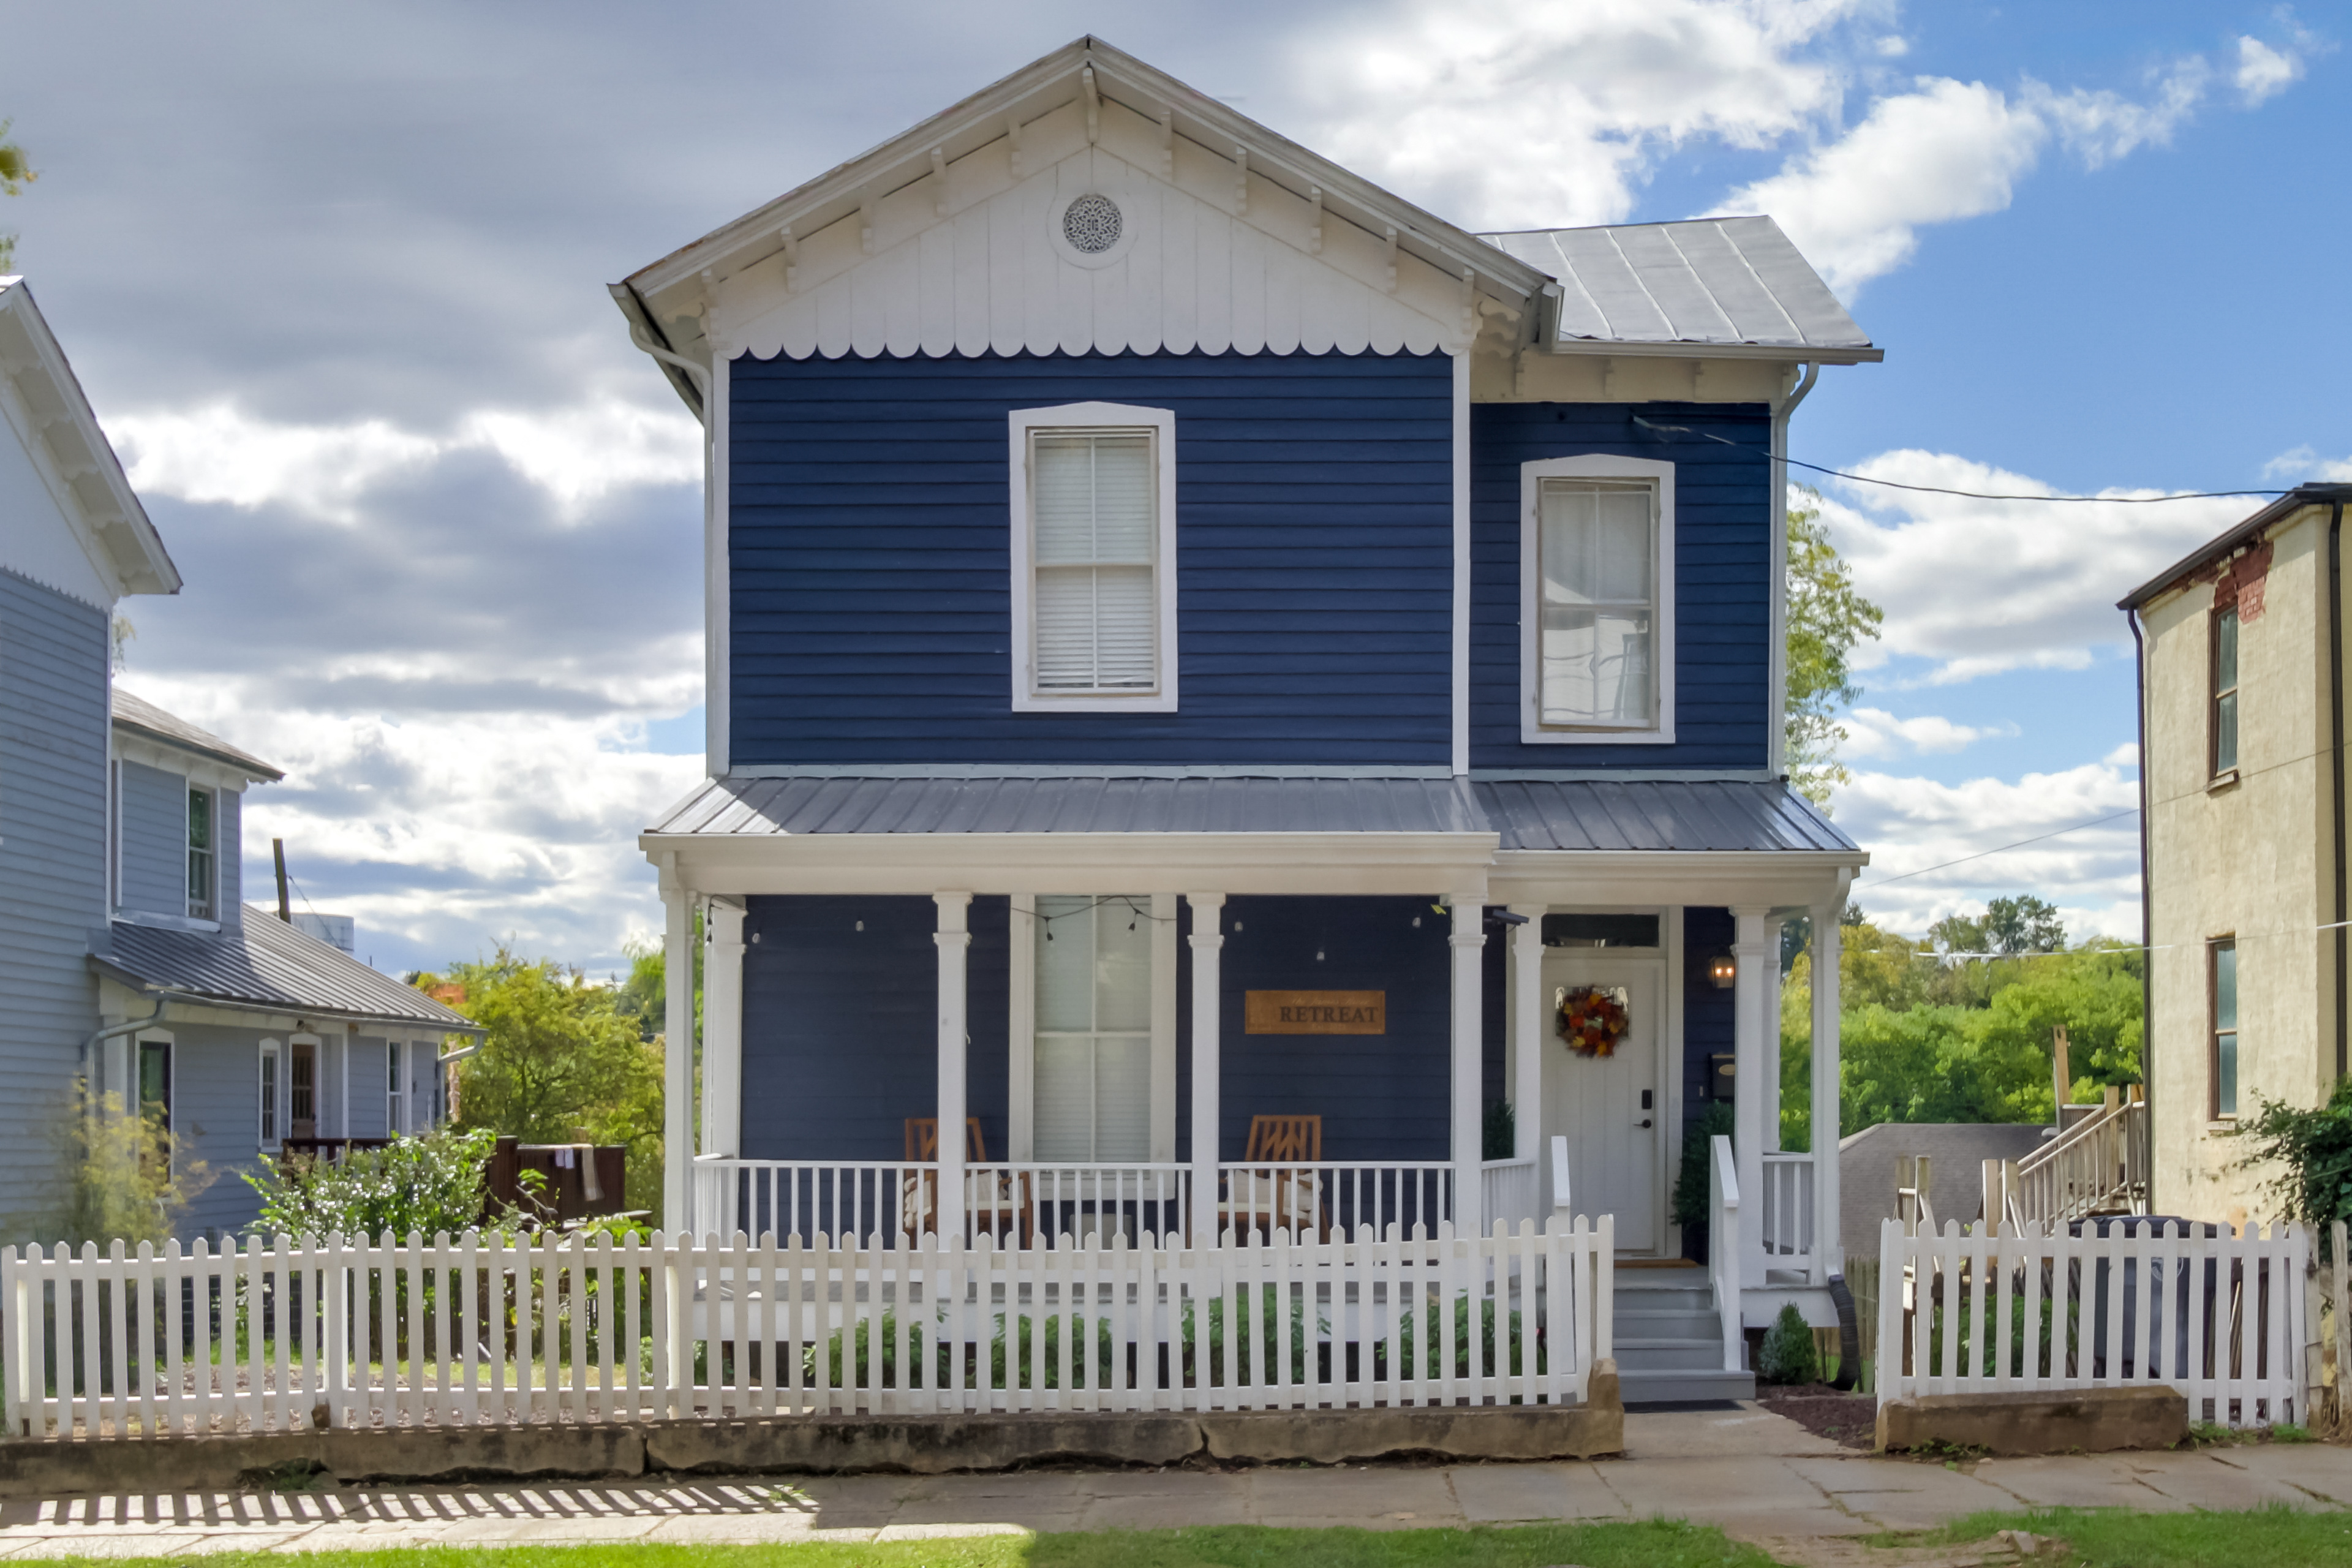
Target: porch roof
[1702,815]
[265,966]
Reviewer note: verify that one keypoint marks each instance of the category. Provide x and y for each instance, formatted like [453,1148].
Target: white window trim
[395,1101]
[1021,1033]
[211,874]
[1023,422]
[268,1050]
[1532,732]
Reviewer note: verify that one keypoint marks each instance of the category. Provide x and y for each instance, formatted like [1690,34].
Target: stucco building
[2243,772]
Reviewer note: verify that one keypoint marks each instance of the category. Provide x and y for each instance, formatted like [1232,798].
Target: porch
[877,955]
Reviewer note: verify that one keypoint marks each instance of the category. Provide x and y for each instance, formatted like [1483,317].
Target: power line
[1906,875]
[1940,490]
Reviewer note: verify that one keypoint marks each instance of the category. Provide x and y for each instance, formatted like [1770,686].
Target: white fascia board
[1789,353]
[1050,83]
[198,767]
[1584,877]
[80,464]
[1361,863]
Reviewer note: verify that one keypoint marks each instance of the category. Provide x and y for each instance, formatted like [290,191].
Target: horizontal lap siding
[1723,578]
[870,555]
[53,738]
[154,840]
[217,1119]
[840,1041]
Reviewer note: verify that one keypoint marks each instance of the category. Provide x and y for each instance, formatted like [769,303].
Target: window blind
[1094,502]
[1092,1064]
[1597,546]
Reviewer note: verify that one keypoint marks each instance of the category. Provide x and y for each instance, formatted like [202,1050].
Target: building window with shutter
[1093,1053]
[1094,545]
[2225,691]
[2222,970]
[1597,600]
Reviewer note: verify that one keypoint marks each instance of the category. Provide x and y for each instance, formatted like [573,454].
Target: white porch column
[1772,935]
[1527,1033]
[1469,1185]
[677,1053]
[1828,1246]
[954,940]
[1753,952]
[722,1031]
[1207,1095]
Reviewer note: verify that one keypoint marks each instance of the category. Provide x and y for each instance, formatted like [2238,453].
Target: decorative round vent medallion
[1091,225]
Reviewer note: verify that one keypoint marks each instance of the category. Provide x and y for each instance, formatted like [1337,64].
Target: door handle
[1644,1123]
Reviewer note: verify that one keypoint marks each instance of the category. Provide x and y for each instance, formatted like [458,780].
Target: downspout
[2147,893]
[2336,736]
[112,1031]
[1782,409]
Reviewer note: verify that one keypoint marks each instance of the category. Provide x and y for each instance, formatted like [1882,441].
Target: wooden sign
[1317,1013]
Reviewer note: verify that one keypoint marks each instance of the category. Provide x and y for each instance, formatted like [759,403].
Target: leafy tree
[118,1175]
[1827,620]
[16,173]
[560,1059]
[2012,925]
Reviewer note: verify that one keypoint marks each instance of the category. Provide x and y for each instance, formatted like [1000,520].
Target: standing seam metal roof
[1726,815]
[272,966]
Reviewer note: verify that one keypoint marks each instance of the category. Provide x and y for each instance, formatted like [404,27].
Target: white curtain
[1597,541]
[1093,1058]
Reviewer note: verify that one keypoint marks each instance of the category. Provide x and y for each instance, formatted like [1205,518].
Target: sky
[334,280]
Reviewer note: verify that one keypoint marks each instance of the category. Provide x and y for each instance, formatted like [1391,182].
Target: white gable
[973,260]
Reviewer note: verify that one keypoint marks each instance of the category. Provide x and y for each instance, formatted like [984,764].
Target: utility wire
[1939,490]
[2003,848]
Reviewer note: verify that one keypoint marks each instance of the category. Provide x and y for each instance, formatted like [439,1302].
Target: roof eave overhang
[1121,77]
[252,768]
[1706,878]
[1788,354]
[282,1014]
[2270,517]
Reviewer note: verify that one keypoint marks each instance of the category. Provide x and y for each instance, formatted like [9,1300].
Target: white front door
[1611,1108]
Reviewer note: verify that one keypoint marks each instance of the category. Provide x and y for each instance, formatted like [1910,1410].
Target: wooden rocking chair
[1272,1199]
[996,1202]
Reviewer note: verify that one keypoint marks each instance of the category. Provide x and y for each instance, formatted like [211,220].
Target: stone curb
[834,1444]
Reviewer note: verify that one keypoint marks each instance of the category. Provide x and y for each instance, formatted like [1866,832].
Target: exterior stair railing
[2097,1166]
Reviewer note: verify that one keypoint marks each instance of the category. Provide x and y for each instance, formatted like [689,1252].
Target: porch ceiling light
[1724,970]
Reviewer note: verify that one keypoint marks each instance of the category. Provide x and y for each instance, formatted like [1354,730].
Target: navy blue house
[1261,706]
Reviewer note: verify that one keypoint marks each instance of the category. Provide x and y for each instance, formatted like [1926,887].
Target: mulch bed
[1850,1420]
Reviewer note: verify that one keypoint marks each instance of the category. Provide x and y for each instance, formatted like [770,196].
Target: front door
[1609,1108]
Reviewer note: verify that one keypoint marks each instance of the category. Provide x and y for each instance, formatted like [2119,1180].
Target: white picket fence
[476,1330]
[2217,1313]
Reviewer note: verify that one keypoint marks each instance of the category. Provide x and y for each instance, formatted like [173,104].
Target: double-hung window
[1093,1061]
[268,1093]
[202,861]
[1094,535]
[1597,600]
[395,1097]
[2225,691]
[2221,957]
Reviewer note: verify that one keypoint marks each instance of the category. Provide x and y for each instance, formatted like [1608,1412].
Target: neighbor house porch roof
[266,967]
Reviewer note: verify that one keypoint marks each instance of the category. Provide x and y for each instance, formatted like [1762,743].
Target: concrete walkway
[1759,1476]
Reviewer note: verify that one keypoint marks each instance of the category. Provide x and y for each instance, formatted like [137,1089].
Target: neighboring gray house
[125,955]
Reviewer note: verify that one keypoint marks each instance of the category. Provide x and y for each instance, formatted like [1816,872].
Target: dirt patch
[1850,1420]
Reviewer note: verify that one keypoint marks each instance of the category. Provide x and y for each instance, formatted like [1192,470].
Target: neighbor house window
[302,1090]
[1093,552]
[2225,691]
[2223,957]
[268,1093]
[203,861]
[156,1082]
[1597,600]
[1093,1057]
[395,1098]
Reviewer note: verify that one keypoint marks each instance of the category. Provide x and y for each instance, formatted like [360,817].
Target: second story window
[2223,959]
[1093,556]
[2225,691]
[202,860]
[1597,600]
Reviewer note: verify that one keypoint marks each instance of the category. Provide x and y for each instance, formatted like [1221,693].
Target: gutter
[2336,755]
[113,970]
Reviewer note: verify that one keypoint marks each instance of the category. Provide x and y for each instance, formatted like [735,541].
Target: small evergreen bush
[1789,1354]
[1694,1194]
[1499,1137]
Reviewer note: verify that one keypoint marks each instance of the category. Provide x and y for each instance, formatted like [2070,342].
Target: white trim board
[1532,732]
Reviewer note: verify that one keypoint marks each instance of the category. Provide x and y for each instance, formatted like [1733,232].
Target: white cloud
[1915,827]
[1977,587]
[2263,71]
[1875,733]
[2302,464]
[2102,127]
[2124,756]
[577,454]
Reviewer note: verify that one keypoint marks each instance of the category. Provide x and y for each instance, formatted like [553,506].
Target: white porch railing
[2216,1313]
[1790,1213]
[1509,1189]
[357,1334]
[1723,1248]
[1032,1203]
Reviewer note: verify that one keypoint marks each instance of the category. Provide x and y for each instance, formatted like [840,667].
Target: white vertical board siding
[993,275]
[53,751]
[154,840]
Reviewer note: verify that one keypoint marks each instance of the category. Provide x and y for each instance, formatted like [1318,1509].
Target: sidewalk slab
[1369,1498]
[1746,1432]
[1753,1495]
[1505,1494]
[2075,1480]
[2316,1468]
[1164,1499]
[1900,1495]
[2206,1480]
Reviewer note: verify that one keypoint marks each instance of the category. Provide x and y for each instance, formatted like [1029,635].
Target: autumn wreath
[1590,1019]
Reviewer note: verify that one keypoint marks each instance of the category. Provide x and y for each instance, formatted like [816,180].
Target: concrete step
[1656,1387]
[1667,1325]
[1668,1356]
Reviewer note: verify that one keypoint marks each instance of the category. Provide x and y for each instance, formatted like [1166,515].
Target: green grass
[2122,1538]
[1654,1544]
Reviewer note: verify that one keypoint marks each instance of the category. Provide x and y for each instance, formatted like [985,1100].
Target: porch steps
[1669,1338]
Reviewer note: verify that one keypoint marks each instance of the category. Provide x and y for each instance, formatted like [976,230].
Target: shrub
[118,1176]
[1694,1189]
[1789,1354]
[2313,1153]
[1498,1139]
[431,1183]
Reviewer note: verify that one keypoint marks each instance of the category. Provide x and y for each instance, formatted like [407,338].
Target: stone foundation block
[2082,1420]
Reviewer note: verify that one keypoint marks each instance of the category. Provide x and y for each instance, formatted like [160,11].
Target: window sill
[2223,1124]
[2222,781]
